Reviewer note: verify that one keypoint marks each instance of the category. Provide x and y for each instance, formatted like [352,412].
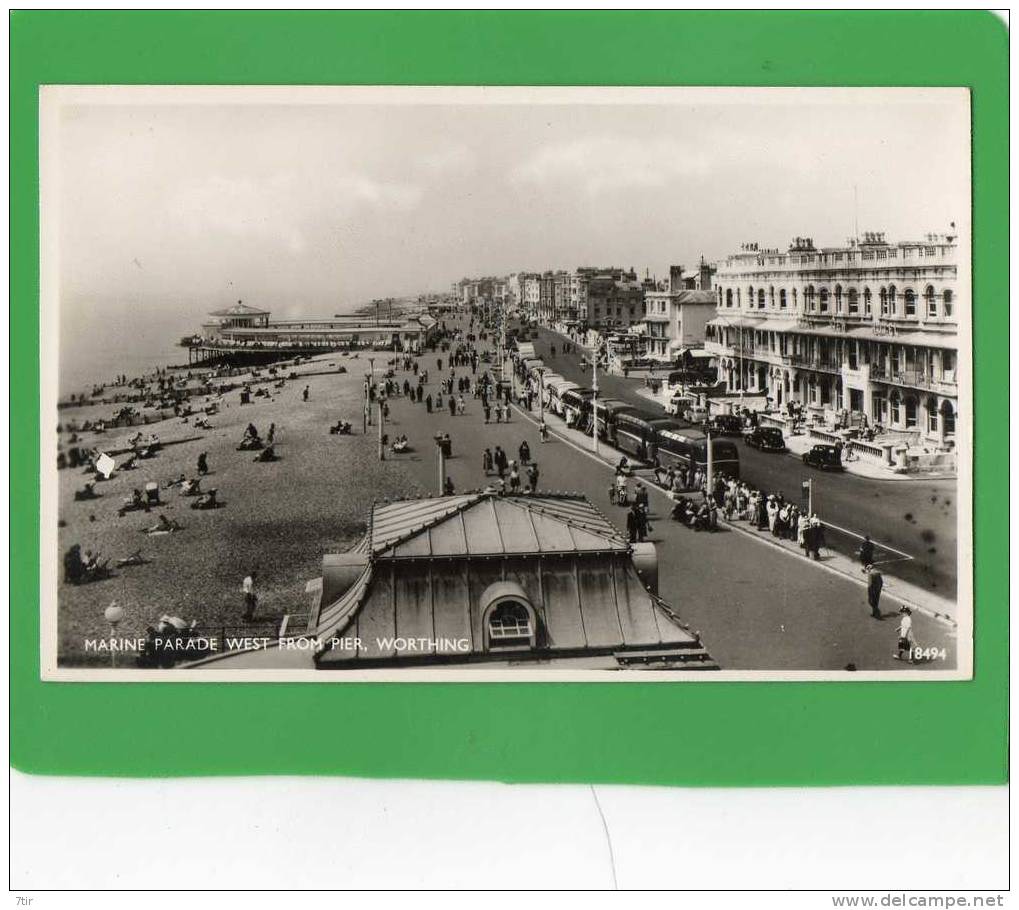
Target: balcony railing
[917,379]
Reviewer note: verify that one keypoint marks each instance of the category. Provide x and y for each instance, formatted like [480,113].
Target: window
[728,297]
[866,301]
[760,298]
[884,302]
[794,298]
[932,415]
[808,297]
[910,302]
[948,417]
[771,296]
[781,299]
[932,303]
[910,413]
[509,624]
[891,300]
[948,365]
[947,300]
[854,304]
[893,413]
[838,298]
[824,300]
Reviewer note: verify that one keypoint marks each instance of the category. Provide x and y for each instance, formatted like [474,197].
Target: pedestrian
[486,461]
[203,463]
[802,526]
[428,403]
[532,477]
[250,598]
[640,497]
[866,551]
[271,435]
[514,478]
[461,405]
[906,642]
[874,585]
[452,405]
[525,452]
[488,412]
[500,460]
[304,394]
[543,431]
[448,488]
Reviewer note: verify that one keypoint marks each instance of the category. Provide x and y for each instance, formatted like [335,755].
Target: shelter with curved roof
[486,580]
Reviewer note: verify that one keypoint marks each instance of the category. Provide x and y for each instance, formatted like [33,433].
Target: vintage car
[767,439]
[726,425]
[824,457]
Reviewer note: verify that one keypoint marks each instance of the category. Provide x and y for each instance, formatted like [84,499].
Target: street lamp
[114,613]
[440,444]
[594,403]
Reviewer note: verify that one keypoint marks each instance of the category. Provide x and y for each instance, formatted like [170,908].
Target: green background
[705,734]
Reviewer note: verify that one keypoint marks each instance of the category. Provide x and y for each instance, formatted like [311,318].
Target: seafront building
[676,314]
[246,332]
[869,328]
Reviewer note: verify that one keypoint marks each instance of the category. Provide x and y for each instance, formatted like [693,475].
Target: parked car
[767,439]
[824,457]
[726,425]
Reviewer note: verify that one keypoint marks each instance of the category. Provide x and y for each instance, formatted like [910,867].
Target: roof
[695,297]
[240,309]
[486,524]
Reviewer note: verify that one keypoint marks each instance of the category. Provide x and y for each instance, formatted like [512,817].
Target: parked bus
[681,448]
[573,402]
[608,408]
[636,432]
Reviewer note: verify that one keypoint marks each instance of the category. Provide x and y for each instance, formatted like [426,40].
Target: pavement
[756,605]
[914,524]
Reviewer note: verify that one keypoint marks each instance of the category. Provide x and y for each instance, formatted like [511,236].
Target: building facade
[869,328]
[615,299]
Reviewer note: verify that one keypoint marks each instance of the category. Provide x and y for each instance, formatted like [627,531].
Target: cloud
[609,162]
[448,158]
[280,207]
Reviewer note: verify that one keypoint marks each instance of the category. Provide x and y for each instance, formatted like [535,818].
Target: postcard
[505,384]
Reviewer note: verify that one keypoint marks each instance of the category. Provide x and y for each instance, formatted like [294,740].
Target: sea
[137,340]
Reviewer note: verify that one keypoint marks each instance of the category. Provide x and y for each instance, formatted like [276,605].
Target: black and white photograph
[509,384]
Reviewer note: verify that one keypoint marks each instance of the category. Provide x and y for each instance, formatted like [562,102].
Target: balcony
[916,379]
[805,361]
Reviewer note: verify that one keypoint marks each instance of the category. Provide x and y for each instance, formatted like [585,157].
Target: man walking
[874,585]
[250,598]
[906,643]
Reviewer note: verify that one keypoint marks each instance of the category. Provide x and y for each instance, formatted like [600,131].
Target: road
[916,517]
[756,608]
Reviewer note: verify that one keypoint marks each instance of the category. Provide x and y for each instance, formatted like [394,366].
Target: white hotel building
[870,327]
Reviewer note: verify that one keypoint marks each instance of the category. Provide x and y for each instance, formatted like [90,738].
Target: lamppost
[594,403]
[541,402]
[114,613]
[441,446]
[710,480]
[382,420]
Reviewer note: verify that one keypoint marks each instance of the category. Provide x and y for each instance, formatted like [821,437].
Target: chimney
[705,275]
[675,277]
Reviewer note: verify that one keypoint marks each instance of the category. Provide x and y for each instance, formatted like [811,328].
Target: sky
[166,210]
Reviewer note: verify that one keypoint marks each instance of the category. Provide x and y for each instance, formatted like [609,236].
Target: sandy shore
[278,518]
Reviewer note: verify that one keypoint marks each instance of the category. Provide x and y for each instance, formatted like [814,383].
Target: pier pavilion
[243,333]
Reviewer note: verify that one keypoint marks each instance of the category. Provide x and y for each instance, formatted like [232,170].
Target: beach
[277,519]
